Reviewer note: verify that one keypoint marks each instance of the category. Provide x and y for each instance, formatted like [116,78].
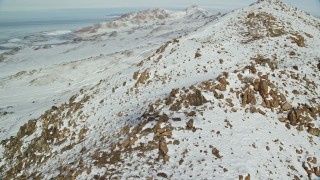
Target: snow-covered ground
[168,95]
[36,78]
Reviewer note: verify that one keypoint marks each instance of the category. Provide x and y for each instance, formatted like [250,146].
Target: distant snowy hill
[170,95]
[147,17]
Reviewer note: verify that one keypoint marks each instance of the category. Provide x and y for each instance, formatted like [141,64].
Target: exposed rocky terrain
[235,97]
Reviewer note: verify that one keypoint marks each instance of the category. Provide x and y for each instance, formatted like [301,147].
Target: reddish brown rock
[190,124]
[266,104]
[247,177]
[167,133]
[312,160]
[192,113]
[248,97]
[223,84]
[298,39]
[253,70]
[163,149]
[221,87]
[233,110]
[196,98]
[296,92]
[163,175]
[307,167]
[164,118]
[135,75]
[314,131]
[274,103]
[197,54]
[216,152]
[240,77]
[222,80]
[261,112]
[263,88]
[176,106]
[253,109]
[313,112]
[244,100]
[217,95]
[256,84]
[160,130]
[293,117]
[316,171]
[286,106]
[282,97]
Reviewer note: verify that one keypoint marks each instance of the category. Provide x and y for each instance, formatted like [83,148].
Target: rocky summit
[232,96]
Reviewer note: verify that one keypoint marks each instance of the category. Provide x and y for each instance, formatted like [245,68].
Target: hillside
[230,97]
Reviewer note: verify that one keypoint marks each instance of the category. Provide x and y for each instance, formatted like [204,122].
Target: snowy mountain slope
[35,78]
[150,17]
[237,98]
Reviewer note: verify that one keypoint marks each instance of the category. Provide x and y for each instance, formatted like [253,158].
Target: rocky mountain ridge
[236,98]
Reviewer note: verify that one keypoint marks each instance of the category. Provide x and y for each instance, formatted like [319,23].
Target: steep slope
[34,78]
[237,98]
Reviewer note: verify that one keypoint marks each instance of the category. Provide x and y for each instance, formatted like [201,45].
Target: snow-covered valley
[165,94]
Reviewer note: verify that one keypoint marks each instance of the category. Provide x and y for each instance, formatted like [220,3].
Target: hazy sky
[312,6]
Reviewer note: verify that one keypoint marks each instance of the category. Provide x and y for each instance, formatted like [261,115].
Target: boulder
[286,106]
[274,103]
[223,84]
[167,133]
[160,130]
[314,131]
[261,112]
[312,160]
[299,40]
[190,124]
[197,54]
[176,106]
[256,84]
[283,97]
[216,152]
[253,109]
[221,87]
[248,97]
[307,167]
[240,177]
[296,92]
[316,171]
[263,88]
[247,177]
[253,70]
[163,175]
[164,118]
[282,119]
[217,95]
[163,149]
[293,117]
[192,113]
[196,98]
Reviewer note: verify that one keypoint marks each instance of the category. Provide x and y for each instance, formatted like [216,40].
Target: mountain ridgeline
[235,96]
